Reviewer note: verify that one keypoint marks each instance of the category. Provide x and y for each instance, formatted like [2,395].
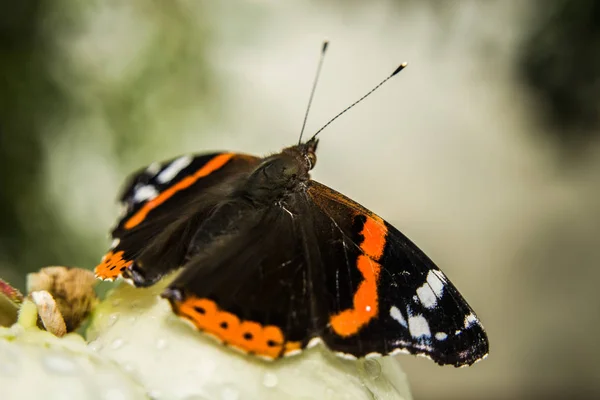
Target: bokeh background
[485,150]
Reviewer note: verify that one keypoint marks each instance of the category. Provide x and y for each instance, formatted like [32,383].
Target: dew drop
[372,368]
[112,319]
[9,361]
[128,367]
[95,345]
[59,364]
[114,394]
[270,380]
[229,393]
[117,344]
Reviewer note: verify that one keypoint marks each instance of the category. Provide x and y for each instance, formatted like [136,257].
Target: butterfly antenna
[312,92]
[400,68]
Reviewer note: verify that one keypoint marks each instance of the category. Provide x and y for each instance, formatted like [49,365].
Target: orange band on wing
[208,168]
[366,299]
[374,233]
[112,265]
[249,336]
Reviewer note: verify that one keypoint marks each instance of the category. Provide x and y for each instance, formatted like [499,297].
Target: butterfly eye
[312,159]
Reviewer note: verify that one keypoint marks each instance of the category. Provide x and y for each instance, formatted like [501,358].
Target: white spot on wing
[114,244]
[173,169]
[441,336]
[431,291]
[399,350]
[426,296]
[345,356]
[314,342]
[436,283]
[292,353]
[470,320]
[418,326]
[373,355]
[397,315]
[143,193]
[440,275]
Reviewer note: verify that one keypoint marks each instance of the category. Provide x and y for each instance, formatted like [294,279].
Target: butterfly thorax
[281,175]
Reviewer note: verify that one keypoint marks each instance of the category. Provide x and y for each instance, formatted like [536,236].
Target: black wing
[251,286]
[163,206]
[389,296]
[320,267]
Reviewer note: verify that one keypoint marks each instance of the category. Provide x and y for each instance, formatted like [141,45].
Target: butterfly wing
[163,204]
[320,266]
[388,296]
[251,286]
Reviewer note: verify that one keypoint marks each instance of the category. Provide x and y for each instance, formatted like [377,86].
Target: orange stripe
[374,233]
[112,265]
[366,299]
[248,336]
[208,168]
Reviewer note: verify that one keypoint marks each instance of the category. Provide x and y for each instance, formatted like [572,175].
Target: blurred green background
[485,151]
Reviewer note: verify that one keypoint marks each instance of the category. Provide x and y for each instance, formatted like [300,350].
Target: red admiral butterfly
[273,262]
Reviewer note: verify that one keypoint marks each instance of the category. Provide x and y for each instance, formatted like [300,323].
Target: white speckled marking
[470,320]
[441,336]
[399,351]
[373,355]
[418,326]
[397,315]
[173,169]
[345,356]
[114,244]
[292,353]
[314,342]
[143,193]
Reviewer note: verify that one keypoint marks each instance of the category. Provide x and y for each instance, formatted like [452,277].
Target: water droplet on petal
[95,345]
[130,368]
[114,394]
[9,361]
[270,380]
[112,319]
[372,368]
[229,393]
[59,364]
[117,344]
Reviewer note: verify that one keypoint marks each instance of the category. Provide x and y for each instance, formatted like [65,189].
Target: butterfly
[272,262]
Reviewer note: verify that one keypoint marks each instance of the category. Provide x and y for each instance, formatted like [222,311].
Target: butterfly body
[272,262]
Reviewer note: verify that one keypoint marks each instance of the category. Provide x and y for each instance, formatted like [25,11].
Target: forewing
[163,206]
[387,295]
